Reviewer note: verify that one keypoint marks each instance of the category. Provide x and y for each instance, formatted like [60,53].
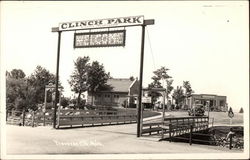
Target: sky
[205,43]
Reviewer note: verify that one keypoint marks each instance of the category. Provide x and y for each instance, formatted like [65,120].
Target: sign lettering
[102,23]
[146,100]
[99,39]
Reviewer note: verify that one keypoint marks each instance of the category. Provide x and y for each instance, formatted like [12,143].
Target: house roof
[120,85]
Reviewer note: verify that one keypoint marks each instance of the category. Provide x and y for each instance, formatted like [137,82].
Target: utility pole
[140,83]
[57,76]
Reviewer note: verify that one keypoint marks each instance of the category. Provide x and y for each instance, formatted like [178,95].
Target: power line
[151,51]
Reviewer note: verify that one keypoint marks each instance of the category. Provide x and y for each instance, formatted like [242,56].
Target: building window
[106,95]
[222,103]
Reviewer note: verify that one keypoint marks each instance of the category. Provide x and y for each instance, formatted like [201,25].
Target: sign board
[208,96]
[100,39]
[146,100]
[102,23]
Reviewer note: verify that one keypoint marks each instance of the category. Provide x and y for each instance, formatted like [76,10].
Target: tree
[19,94]
[178,96]
[78,79]
[86,77]
[38,80]
[97,78]
[169,87]
[14,88]
[17,74]
[188,90]
[131,78]
[65,101]
[241,110]
[26,92]
[159,74]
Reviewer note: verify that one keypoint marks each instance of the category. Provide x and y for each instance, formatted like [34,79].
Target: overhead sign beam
[102,23]
[145,22]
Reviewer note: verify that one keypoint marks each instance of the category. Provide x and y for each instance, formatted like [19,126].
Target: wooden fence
[16,117]
[177,126]
[39,118]
[182,125]
[92,120]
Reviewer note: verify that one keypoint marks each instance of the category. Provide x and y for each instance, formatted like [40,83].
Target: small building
[216,102]
[123,93]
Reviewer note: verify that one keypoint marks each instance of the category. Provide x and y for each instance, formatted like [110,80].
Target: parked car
[197,110]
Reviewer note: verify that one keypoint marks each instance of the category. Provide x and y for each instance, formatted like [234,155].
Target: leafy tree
[65,101]
[178,96]
[26,92]
[153,94]
[131,78]
[188,90]
[17,74]
[160,74]
[169,87]
[78,79]
[13,90]
[38,80]
[97,78]
[19,94]
[88,77]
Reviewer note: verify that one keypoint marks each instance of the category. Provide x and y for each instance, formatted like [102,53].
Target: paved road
[104,139]
[220,118]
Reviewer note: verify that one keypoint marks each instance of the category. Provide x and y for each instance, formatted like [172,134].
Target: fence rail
[175,126]
[182,125]
[86,120]
[37,118]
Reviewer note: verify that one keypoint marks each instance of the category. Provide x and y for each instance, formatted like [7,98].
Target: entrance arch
[98,24]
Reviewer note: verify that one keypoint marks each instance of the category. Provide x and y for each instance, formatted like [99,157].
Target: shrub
[241,110]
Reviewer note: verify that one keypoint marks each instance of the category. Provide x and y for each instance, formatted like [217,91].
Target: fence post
[150,129]
[43,118]
[170,130]
[33,118]
[231,140]
[23,116]
[190,135]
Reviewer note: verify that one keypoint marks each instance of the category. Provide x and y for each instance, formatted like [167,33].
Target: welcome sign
[100,39]
[102,23]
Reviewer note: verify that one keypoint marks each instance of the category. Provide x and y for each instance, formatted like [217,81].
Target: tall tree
[17,74]
[14,88]
[188,90]
[97,78]
[78,79]
[27,92]
[38,80]
[19,94]
[169,87]
[178,96]
[159,75]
